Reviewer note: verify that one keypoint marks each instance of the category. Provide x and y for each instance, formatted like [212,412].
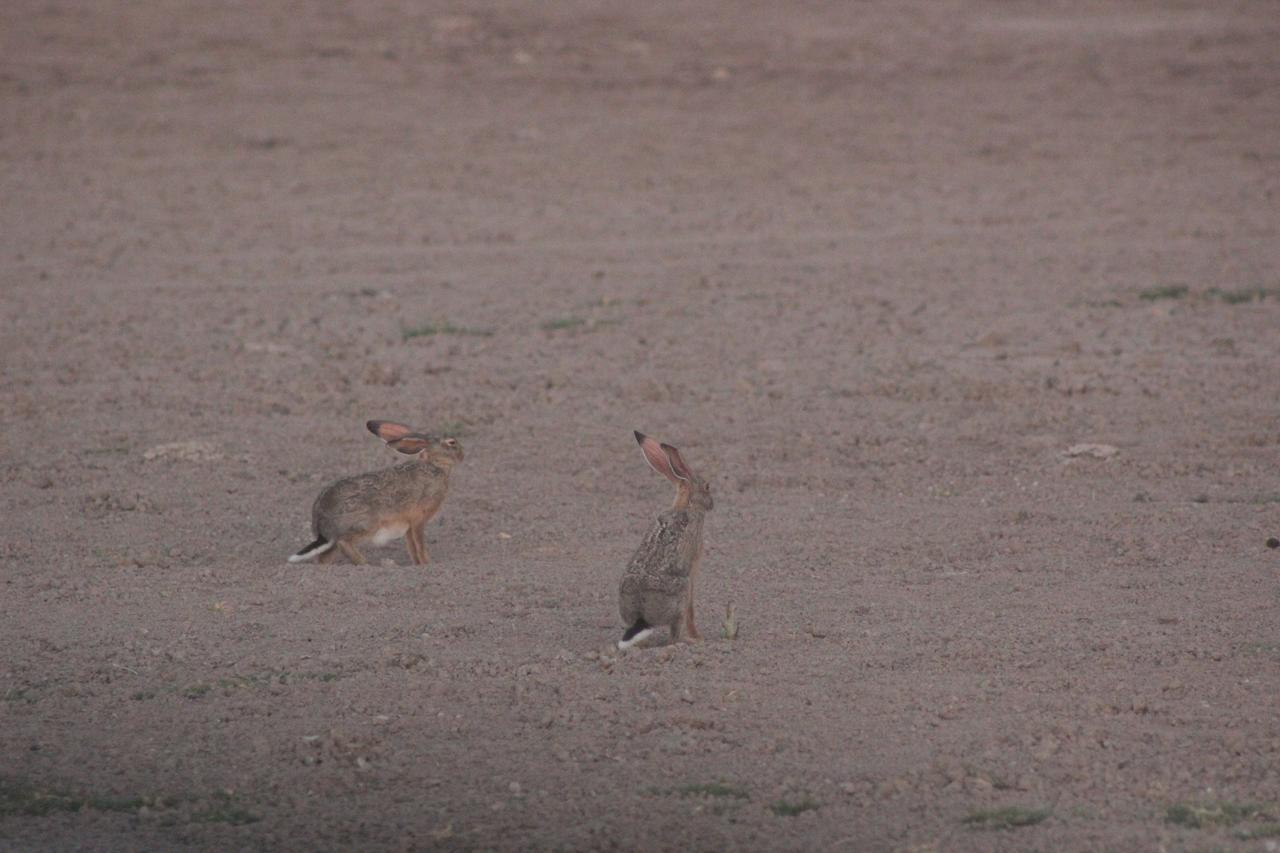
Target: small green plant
[1245,294]
[129,805]
[729,627]
[1224,813]
[1168,291]
[1010,817]
[445,328]
[559,323]
[226,810]
[791,808]
[710,789]
[22,798]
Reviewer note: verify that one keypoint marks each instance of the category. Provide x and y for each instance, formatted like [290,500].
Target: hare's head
[448,451]
[444,452]
[692,492]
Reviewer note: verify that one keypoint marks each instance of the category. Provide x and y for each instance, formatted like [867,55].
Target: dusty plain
[876,267]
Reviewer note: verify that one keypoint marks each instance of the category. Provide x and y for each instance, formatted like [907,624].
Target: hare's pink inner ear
[654,455]
[678,464]
[388,431]
[410,444]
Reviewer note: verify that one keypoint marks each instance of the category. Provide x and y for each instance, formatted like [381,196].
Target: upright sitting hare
[657,587]
[387,504]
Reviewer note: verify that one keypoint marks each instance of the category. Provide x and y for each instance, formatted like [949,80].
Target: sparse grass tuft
[1245,294]
[1167,291]
[445,328]
[22,798]
[1223,813]
[28,800]
[791,808]
[1010,817]
[710,789]
[568,322]
[130,805]
[226,810]
[729,627]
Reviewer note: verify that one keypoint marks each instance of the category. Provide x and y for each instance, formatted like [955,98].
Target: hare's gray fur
[387,504]
[657,586]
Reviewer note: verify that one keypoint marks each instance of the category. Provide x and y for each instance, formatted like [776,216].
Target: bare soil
[875,267]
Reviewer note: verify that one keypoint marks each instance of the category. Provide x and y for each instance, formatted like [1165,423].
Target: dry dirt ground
[874,266]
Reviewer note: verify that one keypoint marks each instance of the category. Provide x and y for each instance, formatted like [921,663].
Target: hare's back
[658,575]
[663,552]
[367,497]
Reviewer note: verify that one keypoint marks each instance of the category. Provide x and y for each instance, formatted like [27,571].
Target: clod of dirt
[1097,451]
[1273,542]
[186,451]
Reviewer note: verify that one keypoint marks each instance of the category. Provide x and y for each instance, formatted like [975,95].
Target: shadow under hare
[384,505]
[657,586]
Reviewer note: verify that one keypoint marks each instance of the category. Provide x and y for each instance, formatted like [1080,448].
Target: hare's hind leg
[690,628]
[415,541]
[680,628]
[328,556]
[353,554]
[411,545]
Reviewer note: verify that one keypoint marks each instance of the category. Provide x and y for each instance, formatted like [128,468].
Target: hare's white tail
[313,550]
[634,634]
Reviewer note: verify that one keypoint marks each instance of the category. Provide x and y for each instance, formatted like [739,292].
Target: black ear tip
[372,426]
[640,437]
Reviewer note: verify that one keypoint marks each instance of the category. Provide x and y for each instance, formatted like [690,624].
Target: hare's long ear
[682,469]
[657,457]
[388,431]
[410,444]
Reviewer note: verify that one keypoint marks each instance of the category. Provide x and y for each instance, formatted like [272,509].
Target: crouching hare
[384,505]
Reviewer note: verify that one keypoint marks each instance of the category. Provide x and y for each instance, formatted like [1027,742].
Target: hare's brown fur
[386,504]
[657,586]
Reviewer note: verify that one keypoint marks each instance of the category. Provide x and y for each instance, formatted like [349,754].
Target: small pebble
[1273,542]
